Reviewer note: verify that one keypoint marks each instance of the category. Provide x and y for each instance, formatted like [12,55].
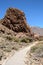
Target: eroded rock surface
[16,21]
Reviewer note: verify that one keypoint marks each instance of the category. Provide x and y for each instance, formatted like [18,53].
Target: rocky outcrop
[5,30]
[16,21]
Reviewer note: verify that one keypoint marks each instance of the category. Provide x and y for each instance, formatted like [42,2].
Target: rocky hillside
[14,33]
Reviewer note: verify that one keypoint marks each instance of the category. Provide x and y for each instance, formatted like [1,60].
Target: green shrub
[14,48]
[24,40]
[1,54]
[9,37]
[7,50]
[16,39]
[30,39]
[40,39]
[33,49]
[37,48]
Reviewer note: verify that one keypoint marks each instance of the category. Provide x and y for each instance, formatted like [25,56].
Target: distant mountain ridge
[37,30]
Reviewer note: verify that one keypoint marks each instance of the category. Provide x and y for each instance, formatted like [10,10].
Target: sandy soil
[19,57]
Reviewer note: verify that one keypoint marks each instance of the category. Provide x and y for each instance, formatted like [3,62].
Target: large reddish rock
[16,21]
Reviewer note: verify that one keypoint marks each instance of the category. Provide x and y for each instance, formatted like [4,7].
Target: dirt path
[19,57]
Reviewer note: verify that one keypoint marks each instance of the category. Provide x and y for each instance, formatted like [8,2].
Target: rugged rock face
[16,21]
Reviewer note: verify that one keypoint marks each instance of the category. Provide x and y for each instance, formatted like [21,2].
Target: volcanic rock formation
[16,21]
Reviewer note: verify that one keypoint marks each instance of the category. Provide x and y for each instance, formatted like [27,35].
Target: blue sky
[33,10]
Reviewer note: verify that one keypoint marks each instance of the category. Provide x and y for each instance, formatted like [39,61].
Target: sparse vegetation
[9,37]
[16,39]
[24,40]
[38,49]
[35,56]
[15,33]
[1,54]
[12,38]
[33,49]
[9,43]
[41,38]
